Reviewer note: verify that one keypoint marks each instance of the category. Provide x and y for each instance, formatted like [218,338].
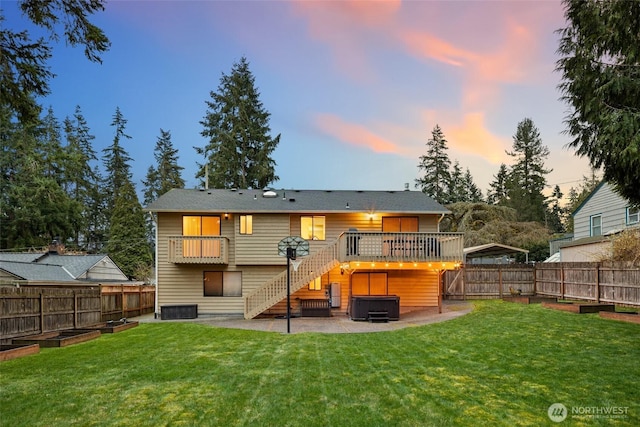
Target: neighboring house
[55,267]
[602,214]
[219,248]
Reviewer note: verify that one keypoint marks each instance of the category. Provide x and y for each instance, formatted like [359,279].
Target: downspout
[155,267]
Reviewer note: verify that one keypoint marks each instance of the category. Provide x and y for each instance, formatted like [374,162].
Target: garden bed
[113,326]
[13,351]
[579,307]
[624,317]
[59,338]
[522,299]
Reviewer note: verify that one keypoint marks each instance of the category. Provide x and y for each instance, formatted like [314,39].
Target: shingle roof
[20,256]
[35,271]
[75,264]
[286,201]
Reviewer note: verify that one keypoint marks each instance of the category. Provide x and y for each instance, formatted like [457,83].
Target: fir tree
[527,177]
[473,193]
[237,126]
[434,166]
[128,246]
[457,191]
[116,163]
[167,174]
[497,193]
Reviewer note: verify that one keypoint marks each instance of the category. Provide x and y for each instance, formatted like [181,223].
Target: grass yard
[502,364]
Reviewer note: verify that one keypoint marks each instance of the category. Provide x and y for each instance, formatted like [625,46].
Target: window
[596,225]
[393,224]
[246,224]
[316,284]
[369,284]
[633,215]
[222,284]
[200,226]
[312,227]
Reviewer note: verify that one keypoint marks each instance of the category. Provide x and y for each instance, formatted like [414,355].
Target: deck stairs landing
[275,290]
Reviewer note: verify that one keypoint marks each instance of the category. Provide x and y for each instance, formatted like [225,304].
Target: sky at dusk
[353,87]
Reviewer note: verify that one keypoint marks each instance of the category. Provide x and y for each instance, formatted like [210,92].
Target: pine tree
[497,193]
[116,163]
[528,173]
[555,215]
[237,126]
[600,65]
[434,165]
[167,174]
[128,245]
[81,181]
[473,193]
[457,192]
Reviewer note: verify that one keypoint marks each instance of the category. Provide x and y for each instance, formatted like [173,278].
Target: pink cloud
[354,134]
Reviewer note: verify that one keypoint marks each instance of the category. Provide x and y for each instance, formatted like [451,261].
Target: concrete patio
[329,325]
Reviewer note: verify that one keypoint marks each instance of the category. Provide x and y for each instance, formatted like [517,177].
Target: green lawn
[502,364]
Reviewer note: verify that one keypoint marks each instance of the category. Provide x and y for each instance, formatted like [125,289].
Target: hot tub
[363,305]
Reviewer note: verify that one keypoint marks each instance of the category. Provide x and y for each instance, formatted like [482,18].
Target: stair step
[378,316]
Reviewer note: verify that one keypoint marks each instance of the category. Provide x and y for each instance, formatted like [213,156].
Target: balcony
[198,249]
[401,247]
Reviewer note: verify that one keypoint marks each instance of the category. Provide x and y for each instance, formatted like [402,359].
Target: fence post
[598,283]
[75,310]
[500,281]
[562,281]
[123,301]
[41,313]
[464,280]
[535,279]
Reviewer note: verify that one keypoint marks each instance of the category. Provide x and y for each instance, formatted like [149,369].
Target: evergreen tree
[167,174]
[81,181]
[34,208]
[600,65]
[457,192]
[473,193]
[237,126]
[555,213]
[116,163]
[528,173]
[434,165]
[23,62]
[128,246]
[497,193]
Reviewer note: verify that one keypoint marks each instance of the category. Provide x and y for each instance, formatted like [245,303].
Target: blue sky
[353,87]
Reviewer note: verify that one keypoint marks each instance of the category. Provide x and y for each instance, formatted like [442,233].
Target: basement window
[633,215]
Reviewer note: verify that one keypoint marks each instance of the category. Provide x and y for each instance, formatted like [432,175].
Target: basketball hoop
[295,263]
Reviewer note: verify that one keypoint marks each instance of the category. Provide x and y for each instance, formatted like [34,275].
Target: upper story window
[312,227]
[196,225]
[633,215]
[394,224]
[246,224]
[596,225]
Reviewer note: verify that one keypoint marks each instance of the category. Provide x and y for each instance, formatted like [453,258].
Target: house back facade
[219,249]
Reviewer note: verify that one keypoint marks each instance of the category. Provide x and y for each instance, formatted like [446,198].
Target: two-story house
[219,249]
[602,214]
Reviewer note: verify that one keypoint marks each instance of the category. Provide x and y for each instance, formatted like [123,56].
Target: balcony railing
[401,247]
[198,249]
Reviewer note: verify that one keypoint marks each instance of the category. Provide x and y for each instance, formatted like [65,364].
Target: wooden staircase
[275,290]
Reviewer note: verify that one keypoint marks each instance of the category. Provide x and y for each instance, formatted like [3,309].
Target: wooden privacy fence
[28,310]
[486,281]
[120,301]
[599,282]
[617,283]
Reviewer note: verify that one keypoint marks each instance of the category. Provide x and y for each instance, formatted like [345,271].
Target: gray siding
[604,202]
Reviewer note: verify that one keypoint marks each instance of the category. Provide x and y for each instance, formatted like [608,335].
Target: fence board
[599,282]
[30,310]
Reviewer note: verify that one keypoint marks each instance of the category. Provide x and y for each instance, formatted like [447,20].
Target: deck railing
[401,247]
[198,249]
